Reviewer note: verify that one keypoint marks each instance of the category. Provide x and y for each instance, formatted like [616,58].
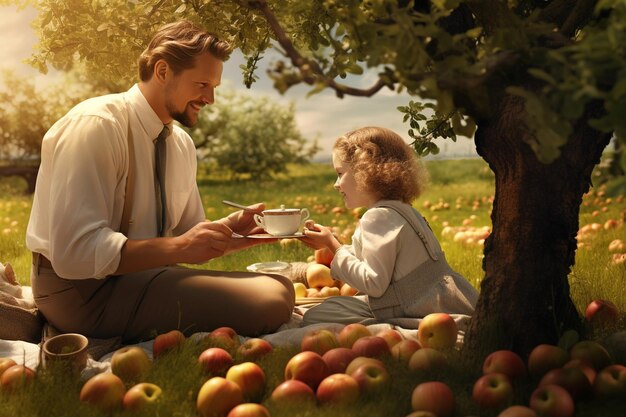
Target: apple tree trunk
[524,296]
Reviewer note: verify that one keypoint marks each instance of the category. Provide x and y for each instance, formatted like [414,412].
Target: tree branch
[581,14]
[310,70]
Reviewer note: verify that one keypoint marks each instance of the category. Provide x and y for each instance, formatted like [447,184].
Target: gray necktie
[160,158]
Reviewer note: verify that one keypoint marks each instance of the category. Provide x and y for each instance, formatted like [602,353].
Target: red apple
[324,256]
[338,359]
[601,313]
[427,359]
[371,378]
[166,342]
[104,391]
[143,396]
[584,366]
[493,390]
[403,350]
[130,363]
[437,331]
[517,411]
[292,391]
[249,410]
[545,357]
[319,341]
[217,397]
[224,337]
[338,389]
[552,401]
[573,379]
[250,378]
[361,360]
[371,346]
[610,382]
[6,363]
[253,349]
[592,352]
[16,376]
[506,362]
[308,367]
[391,336]
[215,361]
[435,397]
[351,332]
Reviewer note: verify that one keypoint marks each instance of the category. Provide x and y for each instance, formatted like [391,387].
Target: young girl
[395,259]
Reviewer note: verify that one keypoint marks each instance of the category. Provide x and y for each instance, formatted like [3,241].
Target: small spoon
[240,206]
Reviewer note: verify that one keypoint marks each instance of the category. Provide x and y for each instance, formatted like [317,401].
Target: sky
[322,116]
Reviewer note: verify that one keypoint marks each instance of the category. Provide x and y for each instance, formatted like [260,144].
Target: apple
[318,276]
[552,401]
[338,359]
[215,361]
[433,396]
[300,289]
[361,360]
[253,349]
[338,389]
[166,342]
[319,341]
[6,363]
[592,352]
[250,378]
[292,391]
[421,414]
[610,382]
[371,346]
[403,350]
[518,411]
[371,378]
[347,290]
[615,344]
[584,366]
[351,333]
[249,410]
[330,291]
[142,396]
[601,313]
[130,363]
[217,397]
[573,379]
[545,357]
[506,362]
[324,256]
[224,337]
[16,376]
[427,359]
[308,367]
[492,390]
[437,331]
[391,336]
[104,391]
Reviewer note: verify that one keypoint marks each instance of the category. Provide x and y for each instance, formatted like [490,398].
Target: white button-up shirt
[80,191]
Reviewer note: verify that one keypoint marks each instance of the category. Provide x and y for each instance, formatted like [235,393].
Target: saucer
[268,236]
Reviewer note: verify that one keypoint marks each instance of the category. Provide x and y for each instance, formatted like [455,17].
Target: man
[91,278]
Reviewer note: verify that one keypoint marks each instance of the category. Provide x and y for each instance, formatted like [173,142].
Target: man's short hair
[179,44]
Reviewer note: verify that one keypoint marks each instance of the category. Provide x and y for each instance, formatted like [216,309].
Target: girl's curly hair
[382,163]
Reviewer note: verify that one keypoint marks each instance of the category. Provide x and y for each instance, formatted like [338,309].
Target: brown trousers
[140,305]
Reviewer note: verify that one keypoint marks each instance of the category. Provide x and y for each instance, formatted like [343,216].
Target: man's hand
[242,221]
[204,241]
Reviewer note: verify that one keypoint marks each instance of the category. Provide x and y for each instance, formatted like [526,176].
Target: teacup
[282,221]
[69,349]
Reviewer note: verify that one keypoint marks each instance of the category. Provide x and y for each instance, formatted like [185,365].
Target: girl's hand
[317,236]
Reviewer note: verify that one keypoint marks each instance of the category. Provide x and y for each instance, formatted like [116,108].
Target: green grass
[460,194]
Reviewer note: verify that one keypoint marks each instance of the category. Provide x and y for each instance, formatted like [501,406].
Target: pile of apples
[467,235]
[319,280]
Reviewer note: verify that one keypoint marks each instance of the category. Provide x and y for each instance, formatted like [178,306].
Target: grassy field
[457,205]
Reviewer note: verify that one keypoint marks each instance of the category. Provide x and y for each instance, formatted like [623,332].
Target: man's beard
[181,117]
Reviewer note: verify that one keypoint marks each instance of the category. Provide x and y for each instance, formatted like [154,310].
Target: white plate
[268,236]
[268,267]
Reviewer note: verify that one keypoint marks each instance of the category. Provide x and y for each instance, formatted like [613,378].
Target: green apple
[142,397]
[130,363]
[437,331]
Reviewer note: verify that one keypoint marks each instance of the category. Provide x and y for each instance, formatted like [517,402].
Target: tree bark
[524,299]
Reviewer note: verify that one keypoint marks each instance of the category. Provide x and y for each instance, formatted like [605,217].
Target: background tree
[250,136]
[542,82]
